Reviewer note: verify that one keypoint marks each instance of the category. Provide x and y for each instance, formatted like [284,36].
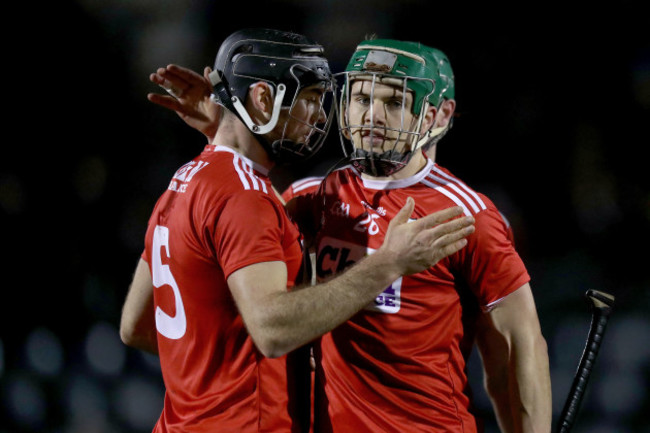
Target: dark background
[553,103]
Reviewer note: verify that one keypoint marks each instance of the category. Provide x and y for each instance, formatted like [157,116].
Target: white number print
[171,327]
[368,224]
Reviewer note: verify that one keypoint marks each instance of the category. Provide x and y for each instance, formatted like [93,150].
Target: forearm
[496,385]
[515,360]
[146,341]
[530,387]
[137,323]
[519,388]
[138,328]
[291,319]
[280,321]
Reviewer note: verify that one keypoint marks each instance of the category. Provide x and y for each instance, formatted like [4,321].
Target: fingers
[185,74]
[176,80]
[447,238]
[451,234]
[453,242]
[172,85]
[404,214]
[453,231]
[422,243]
[440,216]
[428,221]
[165,101]
[449,249]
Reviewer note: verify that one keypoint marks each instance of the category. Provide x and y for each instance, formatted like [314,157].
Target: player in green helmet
[384,369]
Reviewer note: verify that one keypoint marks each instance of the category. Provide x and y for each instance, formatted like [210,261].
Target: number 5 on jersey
[171,327]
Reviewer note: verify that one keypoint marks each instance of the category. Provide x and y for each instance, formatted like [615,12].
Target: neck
[234,134]
[415,164]
[431,153]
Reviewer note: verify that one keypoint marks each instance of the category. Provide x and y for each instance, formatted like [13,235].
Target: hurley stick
[601,306]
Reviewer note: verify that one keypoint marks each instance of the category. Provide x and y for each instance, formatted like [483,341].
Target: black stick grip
[601,304]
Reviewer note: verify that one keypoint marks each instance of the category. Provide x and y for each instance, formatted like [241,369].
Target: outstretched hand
[420,244]
[189,96]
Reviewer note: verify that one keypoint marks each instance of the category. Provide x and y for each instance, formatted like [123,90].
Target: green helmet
[445,87]
[409,65]
[399,59]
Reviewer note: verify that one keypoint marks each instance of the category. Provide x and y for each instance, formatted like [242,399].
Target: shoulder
[342,176]
[457,191]
[489,220]
[302,186]
[306,183]
[230,171]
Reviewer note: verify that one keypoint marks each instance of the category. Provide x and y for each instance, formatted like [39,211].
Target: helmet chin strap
[235,105]
[268,127]
[431,137]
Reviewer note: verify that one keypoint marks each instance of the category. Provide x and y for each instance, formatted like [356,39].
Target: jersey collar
[379,184]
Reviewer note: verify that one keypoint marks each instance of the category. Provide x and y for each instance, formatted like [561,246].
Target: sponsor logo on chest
[334,255]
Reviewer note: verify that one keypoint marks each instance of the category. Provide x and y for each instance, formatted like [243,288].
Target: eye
[362,99]
[394,104]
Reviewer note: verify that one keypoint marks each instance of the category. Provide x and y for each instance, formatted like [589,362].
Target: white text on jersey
[184,175]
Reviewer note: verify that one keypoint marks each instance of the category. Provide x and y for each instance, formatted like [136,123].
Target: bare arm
[137,325]
[189,96]
[515,361]
[280,321]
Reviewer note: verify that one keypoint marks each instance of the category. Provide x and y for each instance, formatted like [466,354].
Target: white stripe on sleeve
[462,185]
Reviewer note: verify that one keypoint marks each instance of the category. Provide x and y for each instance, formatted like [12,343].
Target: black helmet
[288,62]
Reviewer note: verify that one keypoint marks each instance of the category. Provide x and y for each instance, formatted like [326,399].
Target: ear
[342,122]
[429,118]
[446,112]
[261,97]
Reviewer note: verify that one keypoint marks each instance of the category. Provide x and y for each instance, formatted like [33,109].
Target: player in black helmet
[288,63]
[215,293]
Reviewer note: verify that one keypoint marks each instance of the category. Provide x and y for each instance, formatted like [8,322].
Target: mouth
[374,138]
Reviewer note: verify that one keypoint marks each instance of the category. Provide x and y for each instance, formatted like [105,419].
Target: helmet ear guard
[234,104]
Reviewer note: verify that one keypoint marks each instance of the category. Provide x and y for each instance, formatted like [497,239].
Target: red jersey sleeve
[492,267]
[249,230]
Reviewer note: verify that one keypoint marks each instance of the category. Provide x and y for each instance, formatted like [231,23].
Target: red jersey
[399,364]
[219,214]
[301,187]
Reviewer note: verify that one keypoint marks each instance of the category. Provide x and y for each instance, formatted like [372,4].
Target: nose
[317,117]
[376,114]
[322,116]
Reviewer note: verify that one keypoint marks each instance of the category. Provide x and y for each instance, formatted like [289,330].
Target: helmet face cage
[410,66]
[289,151]
[288,62]
[393,157]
